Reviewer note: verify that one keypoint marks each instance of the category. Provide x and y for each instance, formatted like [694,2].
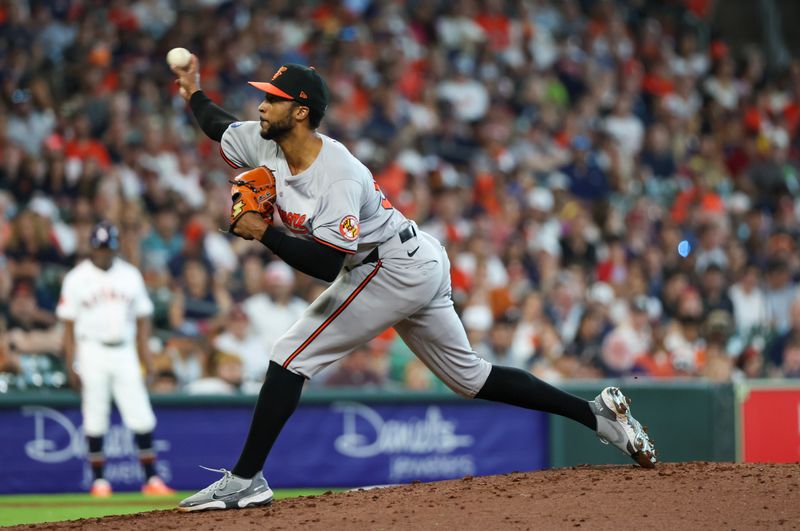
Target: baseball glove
[252,191]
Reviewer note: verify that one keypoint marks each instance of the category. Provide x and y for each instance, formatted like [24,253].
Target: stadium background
[617,184]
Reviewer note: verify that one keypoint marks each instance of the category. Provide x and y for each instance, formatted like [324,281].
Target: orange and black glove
[252,191]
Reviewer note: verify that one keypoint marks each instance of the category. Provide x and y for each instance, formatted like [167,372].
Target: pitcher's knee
[293,364]
[299,359]
[284,355]
[468,381]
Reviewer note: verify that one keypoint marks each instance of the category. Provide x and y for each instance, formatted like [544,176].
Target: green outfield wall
[689,420]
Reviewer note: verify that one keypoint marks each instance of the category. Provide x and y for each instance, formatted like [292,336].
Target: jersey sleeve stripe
[333,316]
[348,251]
[226,159]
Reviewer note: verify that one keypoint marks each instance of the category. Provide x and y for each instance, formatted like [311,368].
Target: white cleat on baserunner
[616,425]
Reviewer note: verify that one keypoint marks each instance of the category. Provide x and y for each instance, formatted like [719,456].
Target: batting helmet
[105,234]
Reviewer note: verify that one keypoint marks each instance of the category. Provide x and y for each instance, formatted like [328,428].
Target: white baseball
[179,57]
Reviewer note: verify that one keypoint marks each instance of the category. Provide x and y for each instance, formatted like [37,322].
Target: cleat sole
[227,505]
[643,460]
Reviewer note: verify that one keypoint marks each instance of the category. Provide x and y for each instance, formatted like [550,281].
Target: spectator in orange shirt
[657,361]
[84,148]
[698,200]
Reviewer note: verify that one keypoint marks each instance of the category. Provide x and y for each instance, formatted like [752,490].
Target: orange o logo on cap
[280,71]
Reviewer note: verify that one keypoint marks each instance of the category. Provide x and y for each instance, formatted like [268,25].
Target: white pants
[108,372]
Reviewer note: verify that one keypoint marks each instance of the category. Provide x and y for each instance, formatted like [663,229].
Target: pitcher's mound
[673,496]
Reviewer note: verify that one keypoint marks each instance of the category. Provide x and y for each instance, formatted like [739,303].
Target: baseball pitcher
[385,272]
[105,309]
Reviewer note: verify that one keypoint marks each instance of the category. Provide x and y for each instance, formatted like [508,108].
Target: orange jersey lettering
[294,221]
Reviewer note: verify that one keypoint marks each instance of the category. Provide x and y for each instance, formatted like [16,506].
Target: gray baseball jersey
[336,202]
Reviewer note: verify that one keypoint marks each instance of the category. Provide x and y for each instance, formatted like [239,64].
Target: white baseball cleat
[229,492]
[616,425]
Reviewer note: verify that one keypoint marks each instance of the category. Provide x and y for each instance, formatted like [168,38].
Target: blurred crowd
[618,189]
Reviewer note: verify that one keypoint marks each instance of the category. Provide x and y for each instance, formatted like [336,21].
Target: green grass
[36,508]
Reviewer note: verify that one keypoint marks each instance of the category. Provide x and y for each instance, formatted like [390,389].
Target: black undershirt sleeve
[309,257]
[213,119]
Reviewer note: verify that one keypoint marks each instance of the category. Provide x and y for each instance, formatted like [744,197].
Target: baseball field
[39,508]
[696,495]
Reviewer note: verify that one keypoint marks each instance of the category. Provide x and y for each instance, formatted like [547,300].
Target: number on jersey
[385,203]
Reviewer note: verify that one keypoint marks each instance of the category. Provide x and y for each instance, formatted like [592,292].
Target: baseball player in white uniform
[105,309]
[385,272]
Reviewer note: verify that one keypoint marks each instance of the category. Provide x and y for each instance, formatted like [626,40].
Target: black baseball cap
[298,83]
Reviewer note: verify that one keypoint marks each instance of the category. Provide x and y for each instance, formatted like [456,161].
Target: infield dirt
[673,496]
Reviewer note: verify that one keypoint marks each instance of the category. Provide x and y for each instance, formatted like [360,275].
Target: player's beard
[278,130]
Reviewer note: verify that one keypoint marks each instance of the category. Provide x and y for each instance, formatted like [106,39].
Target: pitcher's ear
[302,112]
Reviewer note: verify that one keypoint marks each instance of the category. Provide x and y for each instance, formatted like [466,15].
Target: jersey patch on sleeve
[349,228]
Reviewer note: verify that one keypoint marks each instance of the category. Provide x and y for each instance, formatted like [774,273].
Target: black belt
[405,235]
[112,344]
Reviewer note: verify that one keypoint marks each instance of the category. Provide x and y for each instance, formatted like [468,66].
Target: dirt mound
[673,496]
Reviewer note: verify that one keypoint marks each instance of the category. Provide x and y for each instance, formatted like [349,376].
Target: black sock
[147,457]
[277,401]
[96,457]
[519,388]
